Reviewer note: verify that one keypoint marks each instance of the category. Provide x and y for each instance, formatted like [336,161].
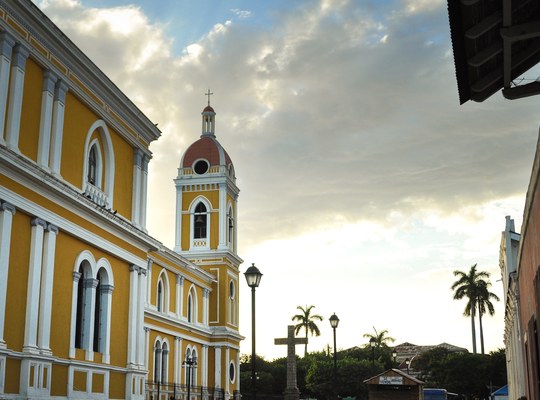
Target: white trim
[45,122]
[108,160]
[57,129]
[223,223]
[178,220]
[34,279]
[68,226]
[132,321]
[2,372]
[46,295]
[136,187]
[163,277]
[6,46]
[179,295]
[87,394]
[202,243]
[6,221]
[217,366]
[16,85]
[140,317]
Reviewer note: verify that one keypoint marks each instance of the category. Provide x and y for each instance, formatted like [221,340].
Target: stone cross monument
[291,391]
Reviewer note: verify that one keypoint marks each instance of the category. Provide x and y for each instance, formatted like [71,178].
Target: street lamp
[372,344]
[407,362]
[189,363]
[394,355]
[253,278]
[334,322]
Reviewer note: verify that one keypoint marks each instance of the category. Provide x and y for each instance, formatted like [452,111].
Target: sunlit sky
[363,182]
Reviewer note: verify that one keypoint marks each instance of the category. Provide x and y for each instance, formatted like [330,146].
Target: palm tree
[306,321]
[484,303]
[381,338]
[473,286]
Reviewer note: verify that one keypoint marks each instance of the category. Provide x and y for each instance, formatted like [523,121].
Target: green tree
[381,338]
[484,304]
[471,285]
[306,321]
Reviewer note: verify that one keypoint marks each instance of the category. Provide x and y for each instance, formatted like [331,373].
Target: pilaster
[6,220]
[16,86]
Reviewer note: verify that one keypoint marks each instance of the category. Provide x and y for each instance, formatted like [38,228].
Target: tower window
[199,231]
[201,167]
[92,166]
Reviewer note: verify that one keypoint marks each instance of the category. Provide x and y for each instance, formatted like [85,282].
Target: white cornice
[28,174]
[44,31]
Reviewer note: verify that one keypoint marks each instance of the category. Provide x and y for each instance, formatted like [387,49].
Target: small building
[396,385]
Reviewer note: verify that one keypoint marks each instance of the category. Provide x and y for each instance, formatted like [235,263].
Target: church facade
[91,305]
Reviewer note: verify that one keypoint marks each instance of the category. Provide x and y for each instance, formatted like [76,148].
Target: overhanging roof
[494,42]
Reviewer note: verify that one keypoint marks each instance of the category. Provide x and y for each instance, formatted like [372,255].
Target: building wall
[529,284]
[73,243]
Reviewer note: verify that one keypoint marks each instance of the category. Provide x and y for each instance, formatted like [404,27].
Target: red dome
[208,148]
[208,109]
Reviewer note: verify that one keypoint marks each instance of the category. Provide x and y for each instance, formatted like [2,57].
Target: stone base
[292,394]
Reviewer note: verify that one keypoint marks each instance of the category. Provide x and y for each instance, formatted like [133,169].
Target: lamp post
[189,363]
[407,362]
[334,322]
[253,278]
[394,355]
[372,344]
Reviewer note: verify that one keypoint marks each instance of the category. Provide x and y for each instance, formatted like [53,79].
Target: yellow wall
[31,105]
[19,258]
[77,121]
[12,377]
[59,380]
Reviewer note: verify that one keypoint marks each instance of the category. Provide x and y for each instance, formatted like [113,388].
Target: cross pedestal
[291,391]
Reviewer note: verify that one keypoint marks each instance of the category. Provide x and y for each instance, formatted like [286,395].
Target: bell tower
[206,234]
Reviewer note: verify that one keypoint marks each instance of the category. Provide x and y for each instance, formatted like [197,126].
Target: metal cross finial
[208,94]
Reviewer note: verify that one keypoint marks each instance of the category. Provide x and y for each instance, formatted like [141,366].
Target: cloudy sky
[364,183]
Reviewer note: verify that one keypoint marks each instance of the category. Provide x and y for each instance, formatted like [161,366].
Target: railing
[170,391]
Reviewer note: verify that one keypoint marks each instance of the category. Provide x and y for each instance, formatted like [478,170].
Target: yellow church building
[91,305]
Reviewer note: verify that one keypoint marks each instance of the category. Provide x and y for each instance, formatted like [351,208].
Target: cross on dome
[208,94]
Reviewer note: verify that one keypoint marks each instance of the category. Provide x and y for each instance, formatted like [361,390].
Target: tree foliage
[306,321]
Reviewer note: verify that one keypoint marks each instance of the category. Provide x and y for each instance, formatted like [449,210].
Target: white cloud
[354,159]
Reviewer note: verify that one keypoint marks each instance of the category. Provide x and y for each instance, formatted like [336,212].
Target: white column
[133,313]
[34,278]
[90,285]
[6,46]
[140,316]
[227,377]
[149,282]
[178,220]
[57,127]
[206,294]
[6,219]
[45,122]
[179,295]
[204,372]
[147,348]
[18,63]
[74,292]
[222,216]
[178,360]
[136,194]
[144,189]
[106,305]
[47,276]
[235,231]
[217,369]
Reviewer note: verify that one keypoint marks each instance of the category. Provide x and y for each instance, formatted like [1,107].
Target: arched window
[93,286]
[157,361]
[189,308]
[199,226]
[160,296]
[92,166]
[230,226]
[164,362]
[98,166]
[79,321]
[190,364]
[232,303]
[162,292]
